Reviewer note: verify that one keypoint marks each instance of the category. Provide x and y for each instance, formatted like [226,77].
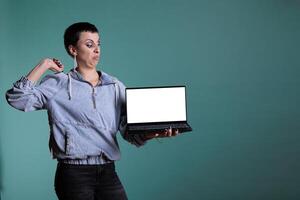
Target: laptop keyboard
[158,127]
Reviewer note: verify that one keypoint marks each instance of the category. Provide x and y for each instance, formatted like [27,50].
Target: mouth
[96,58]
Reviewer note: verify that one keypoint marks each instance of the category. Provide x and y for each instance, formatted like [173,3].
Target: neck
[88,74]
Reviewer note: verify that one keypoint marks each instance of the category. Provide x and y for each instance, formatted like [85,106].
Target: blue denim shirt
[83,119]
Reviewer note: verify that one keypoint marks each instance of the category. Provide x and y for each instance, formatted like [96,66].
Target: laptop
[154,109]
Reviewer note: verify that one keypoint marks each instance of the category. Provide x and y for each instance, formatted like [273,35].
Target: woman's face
[88,49]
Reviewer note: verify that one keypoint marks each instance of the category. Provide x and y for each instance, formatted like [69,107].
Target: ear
[72,50]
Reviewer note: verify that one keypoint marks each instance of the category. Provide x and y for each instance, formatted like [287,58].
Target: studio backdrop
[238,59]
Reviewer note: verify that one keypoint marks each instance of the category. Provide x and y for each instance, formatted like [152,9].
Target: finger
[55,68]
[170,132]
[58,65]
[154,134]
[176,132]
[166,133]
[57,62]
[59,68]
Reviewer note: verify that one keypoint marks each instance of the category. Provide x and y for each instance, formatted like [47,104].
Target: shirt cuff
[25,83]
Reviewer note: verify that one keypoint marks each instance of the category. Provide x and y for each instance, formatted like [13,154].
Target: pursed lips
[95,57]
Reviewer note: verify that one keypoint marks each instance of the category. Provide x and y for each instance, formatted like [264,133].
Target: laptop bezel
[158,122]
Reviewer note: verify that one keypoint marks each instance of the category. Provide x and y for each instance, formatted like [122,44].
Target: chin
[92,65]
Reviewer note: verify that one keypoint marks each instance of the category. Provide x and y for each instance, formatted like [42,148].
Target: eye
[89,45]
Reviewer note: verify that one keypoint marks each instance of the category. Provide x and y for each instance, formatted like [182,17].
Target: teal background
[239,60]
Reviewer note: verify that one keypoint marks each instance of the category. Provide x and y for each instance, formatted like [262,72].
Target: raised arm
[25,95]
[52,64]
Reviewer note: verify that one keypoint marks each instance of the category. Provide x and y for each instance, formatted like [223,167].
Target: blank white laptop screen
[156,105]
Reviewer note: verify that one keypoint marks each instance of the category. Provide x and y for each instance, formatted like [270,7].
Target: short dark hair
[72,33]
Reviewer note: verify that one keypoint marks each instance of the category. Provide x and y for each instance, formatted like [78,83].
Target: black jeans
[88,182]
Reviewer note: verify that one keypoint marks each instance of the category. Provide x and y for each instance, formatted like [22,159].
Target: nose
[97,49]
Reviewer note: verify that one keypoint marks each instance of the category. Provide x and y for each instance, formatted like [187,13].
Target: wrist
[35,74]
[43,67]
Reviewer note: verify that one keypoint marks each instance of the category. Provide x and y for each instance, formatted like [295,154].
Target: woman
[85,109]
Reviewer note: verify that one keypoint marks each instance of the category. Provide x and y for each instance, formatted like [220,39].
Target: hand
[45,64]
[52,64]
[166,133]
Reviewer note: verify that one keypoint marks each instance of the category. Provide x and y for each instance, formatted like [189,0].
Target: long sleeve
[136,139]
[26,95]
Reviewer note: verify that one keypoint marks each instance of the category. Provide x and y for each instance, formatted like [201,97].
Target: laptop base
[156,128]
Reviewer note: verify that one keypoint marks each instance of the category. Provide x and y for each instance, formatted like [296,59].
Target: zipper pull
[94,98]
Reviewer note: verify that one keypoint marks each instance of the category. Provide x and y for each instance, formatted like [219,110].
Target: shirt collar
[105,78]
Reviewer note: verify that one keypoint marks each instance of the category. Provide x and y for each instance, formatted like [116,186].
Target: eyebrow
[92,40]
